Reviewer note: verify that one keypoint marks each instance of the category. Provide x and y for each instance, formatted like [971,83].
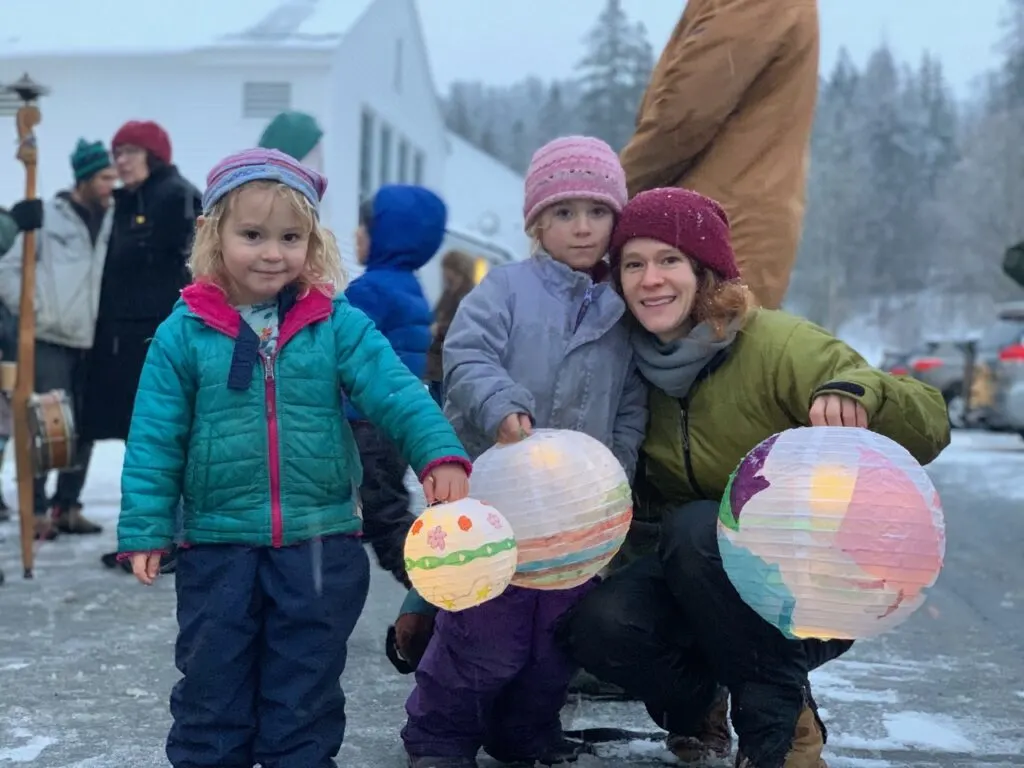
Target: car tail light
[926,364]
[899,370]
[1012,354]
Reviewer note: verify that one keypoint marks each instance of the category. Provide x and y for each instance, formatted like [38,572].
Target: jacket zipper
[588,298]
[274,452]
[684,423]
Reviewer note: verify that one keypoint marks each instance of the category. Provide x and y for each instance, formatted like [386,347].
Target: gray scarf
[674,366]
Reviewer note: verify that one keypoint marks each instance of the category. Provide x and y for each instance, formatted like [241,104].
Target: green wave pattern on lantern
[462,557]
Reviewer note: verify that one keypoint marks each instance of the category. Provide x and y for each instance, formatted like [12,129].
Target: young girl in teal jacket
[239,415]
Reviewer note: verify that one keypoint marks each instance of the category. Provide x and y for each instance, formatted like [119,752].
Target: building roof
[497,215]
[130,27]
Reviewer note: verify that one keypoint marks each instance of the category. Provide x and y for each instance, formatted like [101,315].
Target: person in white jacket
[25,216]
[71,246]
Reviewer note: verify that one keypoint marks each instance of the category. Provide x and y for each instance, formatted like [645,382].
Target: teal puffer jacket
[270,461]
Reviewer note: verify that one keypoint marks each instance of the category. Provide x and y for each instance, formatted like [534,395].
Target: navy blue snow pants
[262,643]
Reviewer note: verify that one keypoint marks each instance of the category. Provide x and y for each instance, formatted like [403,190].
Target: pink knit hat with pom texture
[573,167]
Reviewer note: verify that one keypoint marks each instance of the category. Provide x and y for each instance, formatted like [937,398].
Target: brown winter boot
[808,742]
[712,741]
[72,521]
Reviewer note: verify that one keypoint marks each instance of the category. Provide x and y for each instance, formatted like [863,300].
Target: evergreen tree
[613,75]
[553,115]
[457,114]
[519,151]
[1011,93]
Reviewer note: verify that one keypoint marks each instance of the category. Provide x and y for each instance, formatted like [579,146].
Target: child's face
[264,242]
[576,232]
[362,244]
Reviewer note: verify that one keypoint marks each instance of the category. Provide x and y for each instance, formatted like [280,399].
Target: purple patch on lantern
[748,481]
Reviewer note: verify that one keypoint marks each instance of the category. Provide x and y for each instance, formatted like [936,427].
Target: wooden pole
[27,119]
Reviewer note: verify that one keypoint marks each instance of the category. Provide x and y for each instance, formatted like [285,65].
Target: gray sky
[501,42]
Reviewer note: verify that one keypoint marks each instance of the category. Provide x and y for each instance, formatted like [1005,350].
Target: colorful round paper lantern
[567,498]
[460,555]
[831,532]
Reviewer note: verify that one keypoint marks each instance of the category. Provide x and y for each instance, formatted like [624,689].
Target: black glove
[28,215]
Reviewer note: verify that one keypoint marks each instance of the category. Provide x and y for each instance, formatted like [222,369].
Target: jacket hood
[407,229]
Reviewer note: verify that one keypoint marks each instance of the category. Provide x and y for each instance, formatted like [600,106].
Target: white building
[213,73]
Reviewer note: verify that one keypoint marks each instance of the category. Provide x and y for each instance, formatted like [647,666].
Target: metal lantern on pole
[831,532]
[568,500]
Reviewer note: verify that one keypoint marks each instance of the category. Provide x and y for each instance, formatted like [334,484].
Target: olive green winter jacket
[764,385]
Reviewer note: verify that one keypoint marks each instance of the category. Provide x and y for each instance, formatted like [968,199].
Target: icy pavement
[86,653]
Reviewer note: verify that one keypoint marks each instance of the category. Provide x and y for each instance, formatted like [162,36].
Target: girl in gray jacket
[538,344]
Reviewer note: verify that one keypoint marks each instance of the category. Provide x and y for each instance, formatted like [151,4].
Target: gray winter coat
[69,268]
[536,337]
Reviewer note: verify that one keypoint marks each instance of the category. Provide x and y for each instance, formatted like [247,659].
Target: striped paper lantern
[831,532]
[566,497]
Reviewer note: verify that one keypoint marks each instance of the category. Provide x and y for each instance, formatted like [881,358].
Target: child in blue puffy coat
[240,415]
[400,230]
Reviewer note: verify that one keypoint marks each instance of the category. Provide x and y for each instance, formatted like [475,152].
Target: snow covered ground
[85,653]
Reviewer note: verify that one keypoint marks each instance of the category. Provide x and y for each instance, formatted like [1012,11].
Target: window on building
[419,168]
[385,154]
[403,162]
[260,100]
[397,79]
[366,155]
[10,103]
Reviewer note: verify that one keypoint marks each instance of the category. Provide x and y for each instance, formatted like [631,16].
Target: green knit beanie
[88,159]
[294,133]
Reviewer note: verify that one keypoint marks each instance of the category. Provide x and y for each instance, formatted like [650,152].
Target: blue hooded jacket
[406,231]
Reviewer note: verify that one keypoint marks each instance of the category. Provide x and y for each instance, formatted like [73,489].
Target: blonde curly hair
[323,270]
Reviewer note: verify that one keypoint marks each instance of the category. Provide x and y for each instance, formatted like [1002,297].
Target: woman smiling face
[659,285]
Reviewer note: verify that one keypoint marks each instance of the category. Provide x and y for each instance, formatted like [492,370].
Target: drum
[51,426]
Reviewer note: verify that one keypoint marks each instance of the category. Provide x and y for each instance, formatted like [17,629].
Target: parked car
[895,362]
[1002,350]
[942,364]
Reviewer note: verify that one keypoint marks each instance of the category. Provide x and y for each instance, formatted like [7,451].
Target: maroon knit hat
[686,220]
[147,135]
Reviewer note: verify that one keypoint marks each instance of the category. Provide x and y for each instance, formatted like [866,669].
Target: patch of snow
[832,687]
[27,752]
[638,749]
[857,762]
[913,730]
[991,464]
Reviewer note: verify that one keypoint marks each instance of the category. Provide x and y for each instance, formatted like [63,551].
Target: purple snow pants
[493,676]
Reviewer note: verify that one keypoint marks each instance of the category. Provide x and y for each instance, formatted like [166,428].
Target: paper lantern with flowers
[831,532]
[567,498]
[460,555]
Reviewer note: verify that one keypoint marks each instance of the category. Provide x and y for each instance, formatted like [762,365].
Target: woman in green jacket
[669,627]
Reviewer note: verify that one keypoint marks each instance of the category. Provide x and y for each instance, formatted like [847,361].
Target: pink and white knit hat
[573,167]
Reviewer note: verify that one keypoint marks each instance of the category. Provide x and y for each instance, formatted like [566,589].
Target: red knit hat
[695,225]
[147,135]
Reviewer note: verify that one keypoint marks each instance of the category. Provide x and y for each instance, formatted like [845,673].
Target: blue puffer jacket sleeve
[157,446]
[382,387]
[474,379]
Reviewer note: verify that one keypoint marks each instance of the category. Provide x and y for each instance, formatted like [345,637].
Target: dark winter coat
[143,275]
[462,265]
